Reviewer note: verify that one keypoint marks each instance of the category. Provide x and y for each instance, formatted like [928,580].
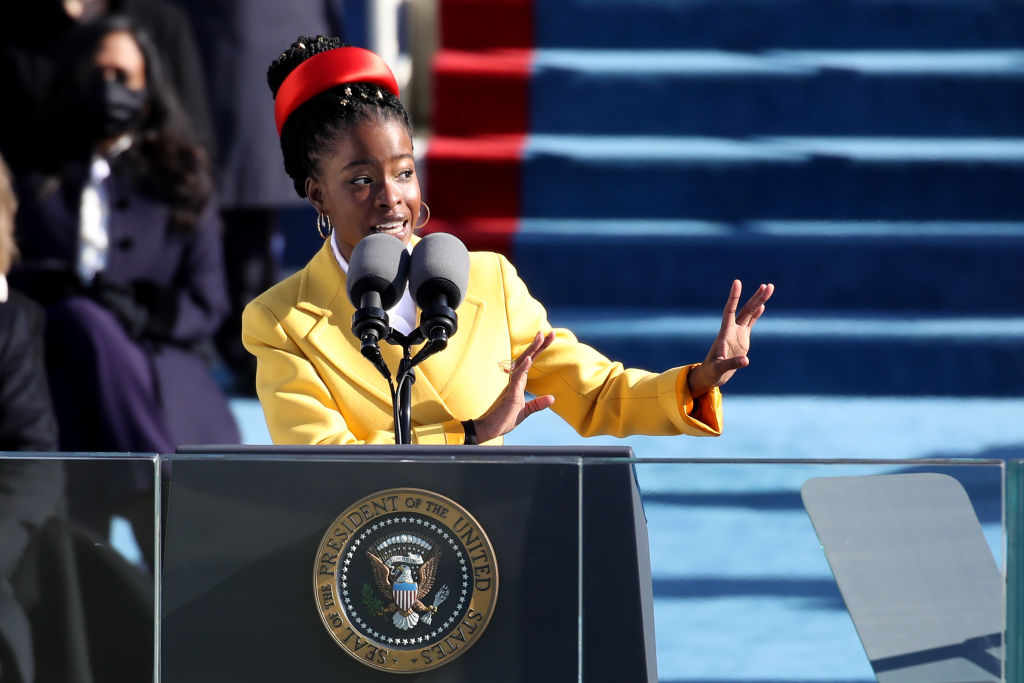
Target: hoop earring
[324,225]
[428,216]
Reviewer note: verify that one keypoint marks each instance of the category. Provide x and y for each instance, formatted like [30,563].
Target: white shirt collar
[3,288]
[342,261]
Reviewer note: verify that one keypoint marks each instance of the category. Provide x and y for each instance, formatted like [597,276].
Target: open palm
[728,352]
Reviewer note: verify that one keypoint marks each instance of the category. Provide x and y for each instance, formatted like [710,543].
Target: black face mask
[113,108]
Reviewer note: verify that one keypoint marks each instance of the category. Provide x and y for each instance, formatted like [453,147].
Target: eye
[113,74]
[361,180]
[406,174]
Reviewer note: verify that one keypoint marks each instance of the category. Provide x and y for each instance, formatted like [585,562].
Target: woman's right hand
[511,407]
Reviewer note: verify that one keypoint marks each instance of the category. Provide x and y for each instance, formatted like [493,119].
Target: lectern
[367,563]
[916,573]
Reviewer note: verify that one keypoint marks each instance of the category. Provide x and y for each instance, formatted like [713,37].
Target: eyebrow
[362,162]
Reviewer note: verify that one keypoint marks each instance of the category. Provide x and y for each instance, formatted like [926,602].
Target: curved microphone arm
[405,377]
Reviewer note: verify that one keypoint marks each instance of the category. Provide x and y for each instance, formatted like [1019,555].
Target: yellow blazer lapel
[322,293]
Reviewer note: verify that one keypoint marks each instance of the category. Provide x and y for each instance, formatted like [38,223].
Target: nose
[389,194]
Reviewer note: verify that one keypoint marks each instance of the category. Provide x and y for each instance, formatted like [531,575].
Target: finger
[539,344]
[755,306]
[544,342]
[755,315]
[724,365]
[743,317]
[549,338]
[729,314]
[531,349]
[536,405]
[769,289]
[517,379]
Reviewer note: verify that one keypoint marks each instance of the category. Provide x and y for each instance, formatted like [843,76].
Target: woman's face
[116,99]
[120,59]
[367,183]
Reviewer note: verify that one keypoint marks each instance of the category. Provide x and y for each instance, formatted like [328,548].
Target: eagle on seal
[404,593]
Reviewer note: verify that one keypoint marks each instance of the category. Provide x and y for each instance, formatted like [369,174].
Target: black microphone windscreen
[379,263]
[439,265]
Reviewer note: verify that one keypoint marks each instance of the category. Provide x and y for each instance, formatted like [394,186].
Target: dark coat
[26,415]
[30,490]
[169,278]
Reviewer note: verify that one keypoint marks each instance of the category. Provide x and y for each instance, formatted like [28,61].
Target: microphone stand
[405,377]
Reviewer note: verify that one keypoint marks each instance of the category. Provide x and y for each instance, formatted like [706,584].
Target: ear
[314,194]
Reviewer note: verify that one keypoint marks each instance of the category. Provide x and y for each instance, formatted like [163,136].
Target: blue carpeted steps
[567,176]
[866,156]
[691,92]
[945,268]
[765,24]
[842,327]
[848,355]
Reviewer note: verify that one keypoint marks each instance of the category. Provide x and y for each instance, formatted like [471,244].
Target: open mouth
[390,228]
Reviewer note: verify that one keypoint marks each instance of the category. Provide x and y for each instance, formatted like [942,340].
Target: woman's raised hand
[728,352]
[511,407]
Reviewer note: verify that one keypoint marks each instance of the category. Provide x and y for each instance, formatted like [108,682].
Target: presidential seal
[406,580]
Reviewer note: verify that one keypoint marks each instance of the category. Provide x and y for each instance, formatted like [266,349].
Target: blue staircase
[866,156]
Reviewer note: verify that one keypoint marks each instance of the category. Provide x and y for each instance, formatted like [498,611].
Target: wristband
[470,427]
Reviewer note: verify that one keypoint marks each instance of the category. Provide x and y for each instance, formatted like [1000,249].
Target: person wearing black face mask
[113,108]
[33,34]
[121,243]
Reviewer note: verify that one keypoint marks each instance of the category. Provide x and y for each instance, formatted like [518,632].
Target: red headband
[324,71]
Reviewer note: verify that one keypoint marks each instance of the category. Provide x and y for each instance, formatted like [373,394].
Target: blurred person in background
[235,41]
[32,38]
[27,422]
[31,491]
[121,243]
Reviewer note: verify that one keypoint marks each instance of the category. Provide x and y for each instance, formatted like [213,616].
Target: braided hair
[317,123]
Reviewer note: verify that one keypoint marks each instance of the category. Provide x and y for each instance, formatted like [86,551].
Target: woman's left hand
[511,407]
[728,352]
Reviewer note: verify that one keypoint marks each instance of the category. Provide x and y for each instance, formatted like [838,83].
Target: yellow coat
[316,388]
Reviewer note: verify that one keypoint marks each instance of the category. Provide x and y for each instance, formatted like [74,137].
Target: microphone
[438,275]
[377,274]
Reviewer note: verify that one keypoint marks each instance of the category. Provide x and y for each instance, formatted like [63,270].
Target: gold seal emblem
[406,580]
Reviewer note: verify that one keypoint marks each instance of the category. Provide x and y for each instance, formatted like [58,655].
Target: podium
[246,528]
[916,574]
